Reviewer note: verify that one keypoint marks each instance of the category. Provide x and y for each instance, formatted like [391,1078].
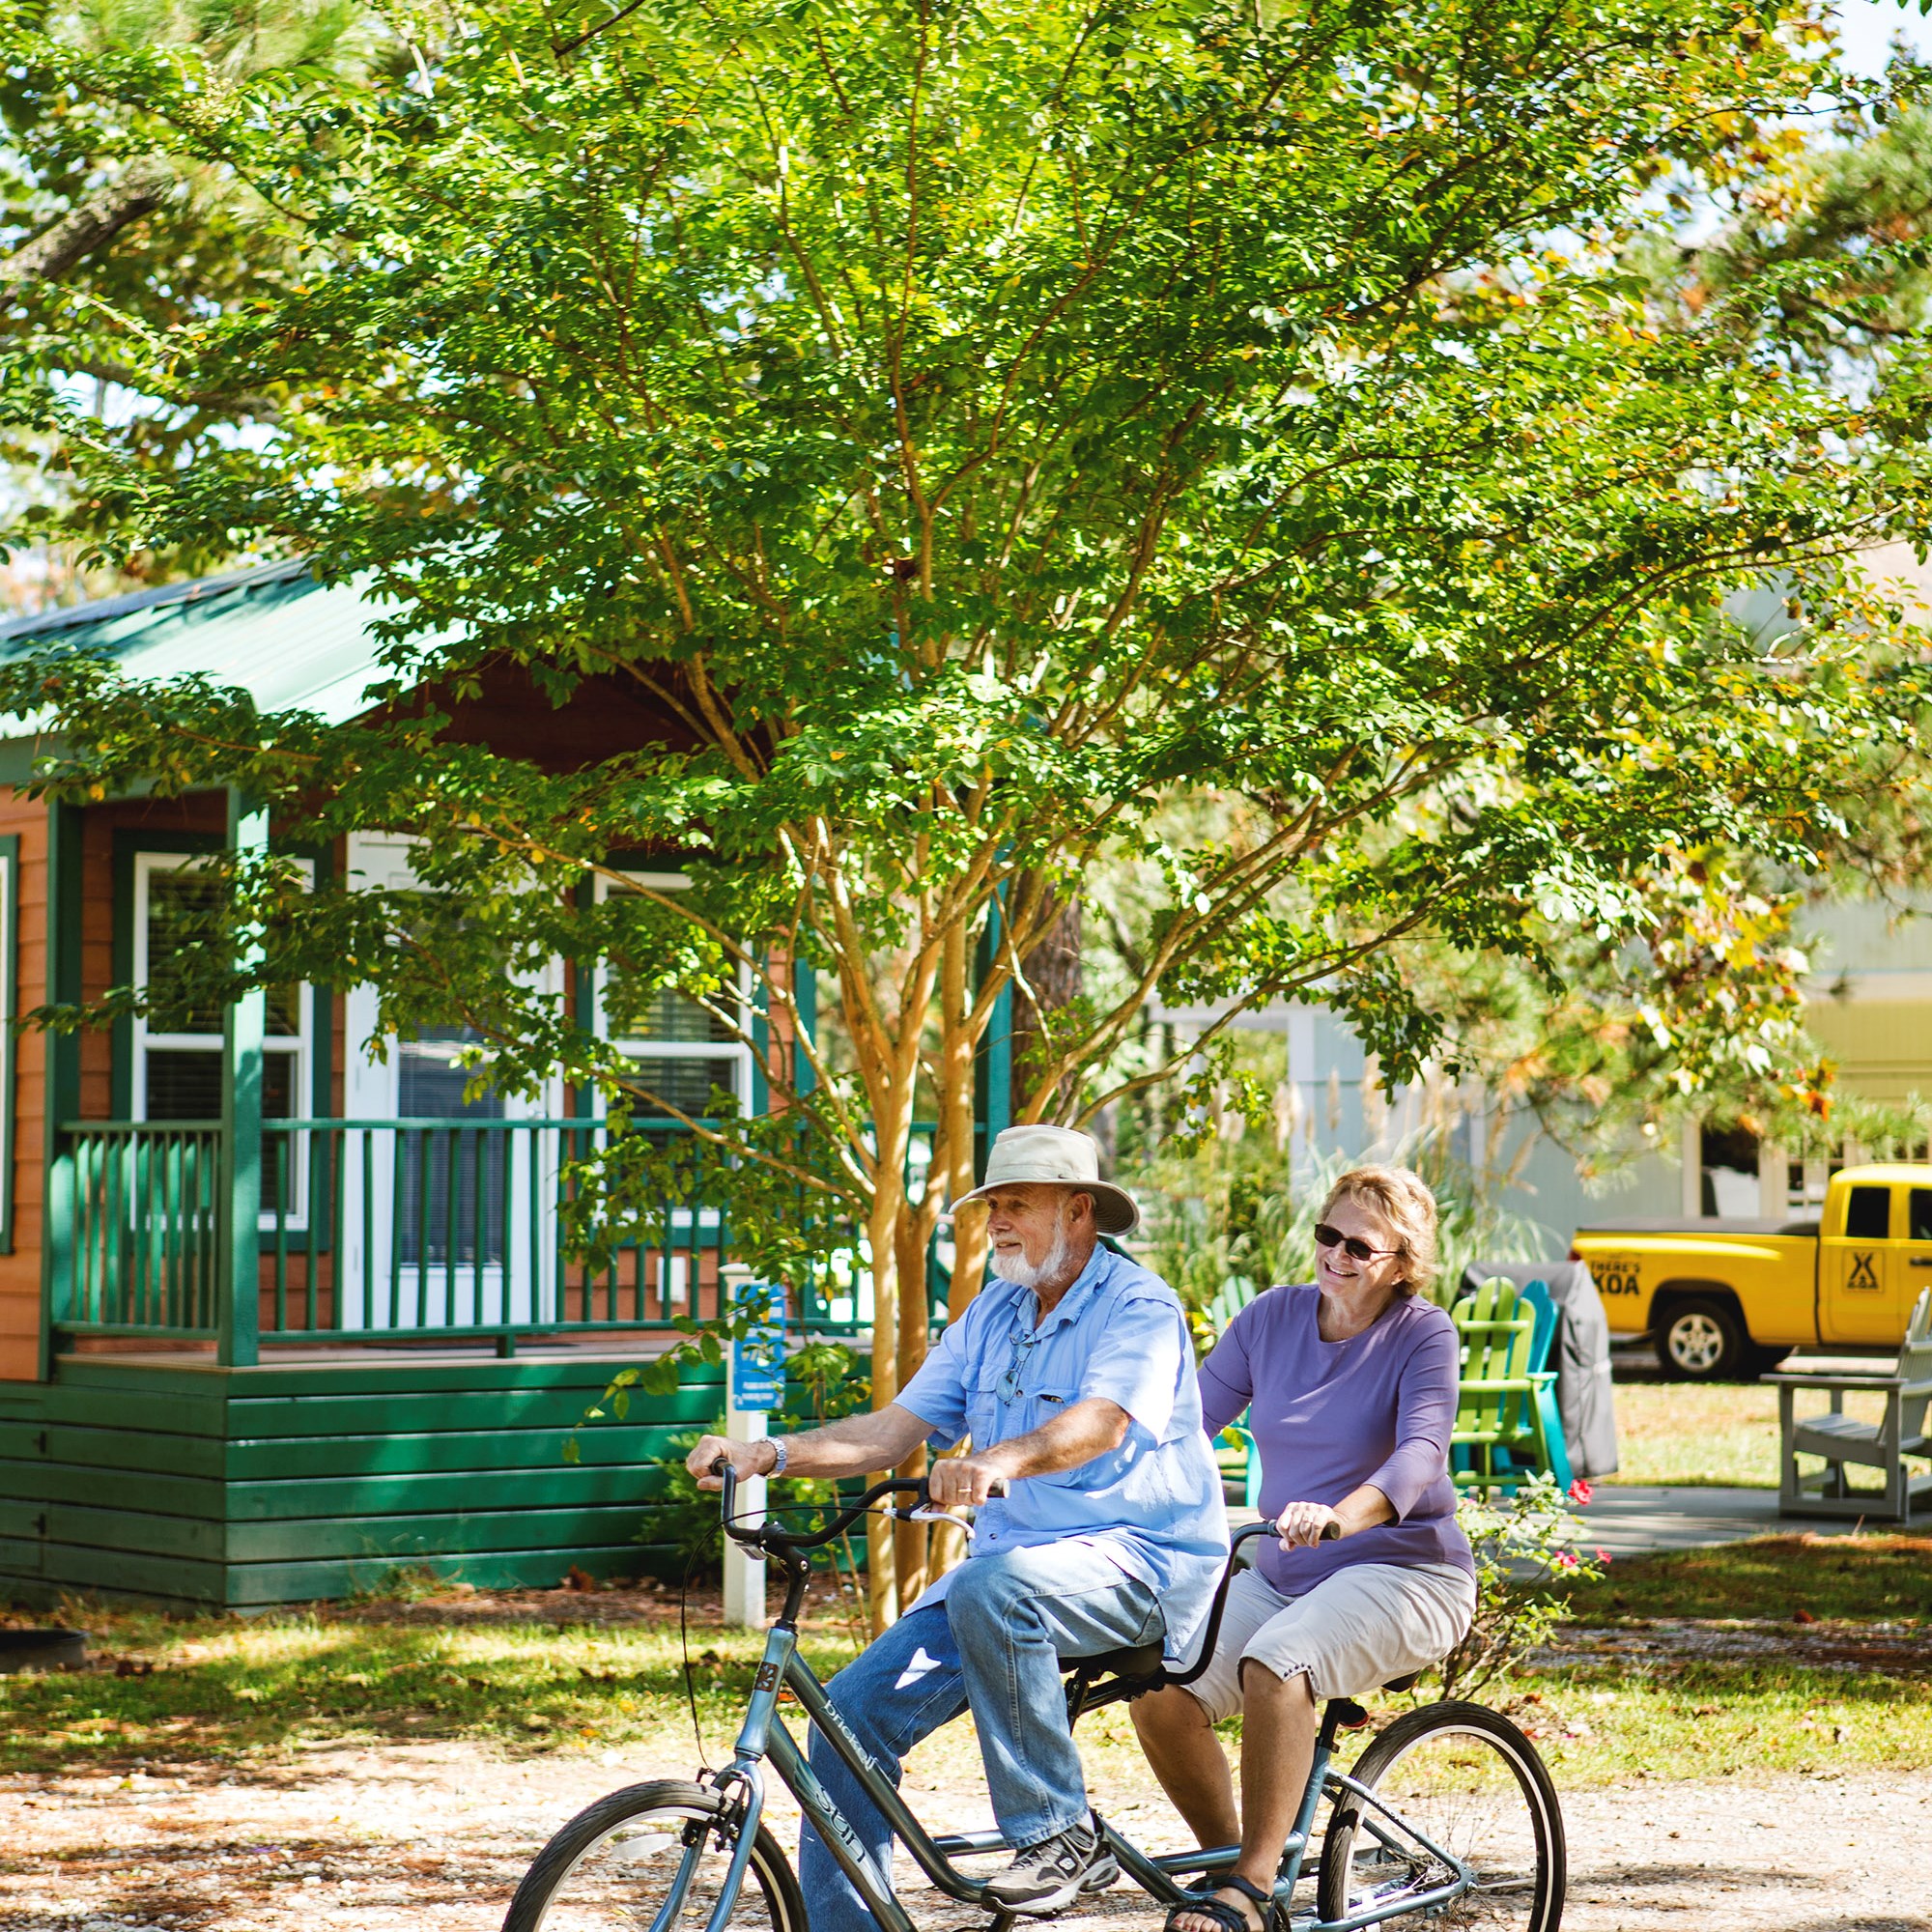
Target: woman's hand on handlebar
[748,1459]
[1302,1525]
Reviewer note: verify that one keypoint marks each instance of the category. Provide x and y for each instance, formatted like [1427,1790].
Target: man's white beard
[1023,1274]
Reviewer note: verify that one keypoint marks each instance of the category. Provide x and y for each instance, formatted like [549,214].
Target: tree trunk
[914,1321]
[888,1203]
[140,188]
[1054,979]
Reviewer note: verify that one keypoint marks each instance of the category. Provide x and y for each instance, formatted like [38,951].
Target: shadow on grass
[1865,1577]
[1667,1878]
[182,1691]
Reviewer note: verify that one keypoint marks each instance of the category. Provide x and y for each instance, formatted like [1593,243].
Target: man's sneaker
[1051,1874]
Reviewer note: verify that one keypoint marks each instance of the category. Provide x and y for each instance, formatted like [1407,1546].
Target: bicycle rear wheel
[613,1868]
[1473,1785]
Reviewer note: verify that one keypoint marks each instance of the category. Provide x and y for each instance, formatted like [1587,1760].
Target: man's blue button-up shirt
[1154,1505]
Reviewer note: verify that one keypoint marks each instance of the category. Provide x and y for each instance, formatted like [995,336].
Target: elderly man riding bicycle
[1073,1370]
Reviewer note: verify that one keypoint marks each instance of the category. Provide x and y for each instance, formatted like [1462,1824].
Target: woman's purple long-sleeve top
[1329,1416]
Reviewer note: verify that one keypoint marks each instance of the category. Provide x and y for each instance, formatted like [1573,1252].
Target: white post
[745,1572]
[747,1381]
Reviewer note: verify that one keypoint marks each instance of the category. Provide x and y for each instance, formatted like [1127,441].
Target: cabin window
[1868,1214]
[177,1044]
[680,1048]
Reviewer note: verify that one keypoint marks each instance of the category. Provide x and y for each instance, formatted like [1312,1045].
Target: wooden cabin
[278,1318]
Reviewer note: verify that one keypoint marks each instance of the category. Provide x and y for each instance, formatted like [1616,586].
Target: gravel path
[434,1836]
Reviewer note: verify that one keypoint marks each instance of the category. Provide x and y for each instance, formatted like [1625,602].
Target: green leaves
[1249,478]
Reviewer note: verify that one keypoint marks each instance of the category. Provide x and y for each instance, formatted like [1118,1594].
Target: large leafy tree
[1006,444]
[117,215]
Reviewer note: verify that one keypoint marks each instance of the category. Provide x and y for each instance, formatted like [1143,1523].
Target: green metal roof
[291,643]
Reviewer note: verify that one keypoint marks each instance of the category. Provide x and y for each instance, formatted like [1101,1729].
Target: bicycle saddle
[1141,1659]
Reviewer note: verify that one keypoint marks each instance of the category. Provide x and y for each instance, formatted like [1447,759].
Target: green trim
[62,1097]
[9,1035]
[238,1201]
[993,1063]
[805,1000]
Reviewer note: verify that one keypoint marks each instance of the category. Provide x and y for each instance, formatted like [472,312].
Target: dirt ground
[436,1834]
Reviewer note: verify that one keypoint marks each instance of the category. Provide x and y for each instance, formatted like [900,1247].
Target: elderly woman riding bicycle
[1350,1384]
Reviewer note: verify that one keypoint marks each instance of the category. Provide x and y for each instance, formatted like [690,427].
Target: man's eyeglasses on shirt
[1351,1245]
[1023,1347]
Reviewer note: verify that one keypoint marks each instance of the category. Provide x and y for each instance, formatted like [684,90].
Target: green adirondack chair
[1497,1406]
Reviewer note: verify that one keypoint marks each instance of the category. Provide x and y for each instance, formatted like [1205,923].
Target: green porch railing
[397,1230]
[145,1236]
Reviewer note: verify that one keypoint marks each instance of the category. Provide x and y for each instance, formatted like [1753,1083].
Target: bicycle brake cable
[690,1681]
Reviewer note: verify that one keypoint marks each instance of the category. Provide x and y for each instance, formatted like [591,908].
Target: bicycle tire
[591,1876]
[1472,1783]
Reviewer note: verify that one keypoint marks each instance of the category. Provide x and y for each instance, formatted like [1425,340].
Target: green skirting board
[201,1487]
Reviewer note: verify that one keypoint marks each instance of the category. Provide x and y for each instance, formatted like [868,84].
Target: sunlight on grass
[1681,1433]
[1871,1576]
[211,1688]
[222,1691]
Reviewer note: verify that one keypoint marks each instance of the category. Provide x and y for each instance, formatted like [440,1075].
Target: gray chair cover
[1580,1356]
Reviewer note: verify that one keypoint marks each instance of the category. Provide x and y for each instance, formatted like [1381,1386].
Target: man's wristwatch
[780,1456]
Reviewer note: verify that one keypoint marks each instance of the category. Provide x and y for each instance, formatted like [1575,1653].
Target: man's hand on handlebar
[964,1482]
[749,1459]
[1302,1525]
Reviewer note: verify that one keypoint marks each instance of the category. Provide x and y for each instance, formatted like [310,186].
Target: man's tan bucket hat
[1057,1157]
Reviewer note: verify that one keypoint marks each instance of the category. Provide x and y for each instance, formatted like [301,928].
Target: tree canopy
[1241,457]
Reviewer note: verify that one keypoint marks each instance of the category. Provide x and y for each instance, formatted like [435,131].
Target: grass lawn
[1862,1579]
[1725,1435]
[220,1690]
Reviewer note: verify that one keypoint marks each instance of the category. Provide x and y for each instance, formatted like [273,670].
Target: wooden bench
[1887,1445]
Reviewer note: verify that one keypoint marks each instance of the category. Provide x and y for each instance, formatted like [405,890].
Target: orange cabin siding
[20,1271]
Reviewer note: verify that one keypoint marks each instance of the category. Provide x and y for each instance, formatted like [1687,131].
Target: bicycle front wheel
[1461,1781]
[619,1861]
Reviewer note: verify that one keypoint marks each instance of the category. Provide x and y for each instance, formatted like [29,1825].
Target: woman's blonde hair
[1402,1200]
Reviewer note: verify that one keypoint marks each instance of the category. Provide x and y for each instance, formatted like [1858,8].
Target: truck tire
[1701,1340]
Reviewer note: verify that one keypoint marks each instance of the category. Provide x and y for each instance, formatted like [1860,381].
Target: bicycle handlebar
[769,1536]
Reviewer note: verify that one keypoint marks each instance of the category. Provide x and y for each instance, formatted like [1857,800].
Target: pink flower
[1602,1556]
[1580,1493]
[1565,1559]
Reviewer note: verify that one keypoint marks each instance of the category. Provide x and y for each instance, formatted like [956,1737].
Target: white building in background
[1869,1004]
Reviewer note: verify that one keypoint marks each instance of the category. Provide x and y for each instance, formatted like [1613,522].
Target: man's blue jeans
[995,1644]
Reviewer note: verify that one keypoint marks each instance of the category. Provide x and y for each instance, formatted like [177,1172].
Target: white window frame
[738,1052]
[504,1291]
[299,1046]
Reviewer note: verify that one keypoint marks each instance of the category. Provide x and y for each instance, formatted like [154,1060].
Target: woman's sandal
[1205,1905]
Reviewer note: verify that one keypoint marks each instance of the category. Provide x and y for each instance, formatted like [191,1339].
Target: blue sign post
[759,1357]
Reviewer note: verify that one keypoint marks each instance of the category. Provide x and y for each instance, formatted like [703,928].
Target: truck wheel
[1701,1341]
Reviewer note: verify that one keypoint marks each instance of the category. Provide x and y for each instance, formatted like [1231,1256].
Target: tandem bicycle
[1448,1817]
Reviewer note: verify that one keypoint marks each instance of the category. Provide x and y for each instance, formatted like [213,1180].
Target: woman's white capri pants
[1350,1634]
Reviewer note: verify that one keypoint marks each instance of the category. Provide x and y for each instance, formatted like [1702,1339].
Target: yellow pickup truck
[1736,1298]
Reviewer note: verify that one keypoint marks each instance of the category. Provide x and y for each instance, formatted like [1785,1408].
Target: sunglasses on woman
[1351,1245]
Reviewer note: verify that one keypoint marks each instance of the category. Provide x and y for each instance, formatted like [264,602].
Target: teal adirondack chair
[1245,1462]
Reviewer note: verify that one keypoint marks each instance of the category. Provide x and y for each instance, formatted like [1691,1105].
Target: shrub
[1522,1541]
